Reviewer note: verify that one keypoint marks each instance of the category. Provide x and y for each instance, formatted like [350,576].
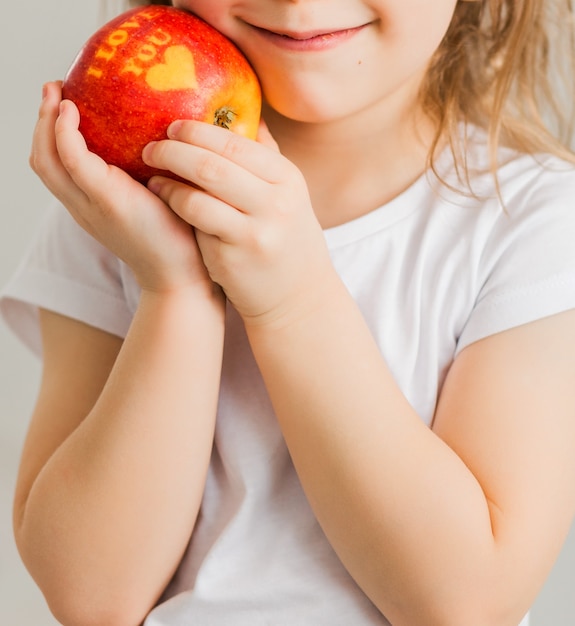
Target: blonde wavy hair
[507,66]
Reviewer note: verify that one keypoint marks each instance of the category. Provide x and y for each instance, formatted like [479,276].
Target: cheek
[426,32]
[211,11]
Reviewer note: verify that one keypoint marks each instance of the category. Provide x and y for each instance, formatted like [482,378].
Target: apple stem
[224,117]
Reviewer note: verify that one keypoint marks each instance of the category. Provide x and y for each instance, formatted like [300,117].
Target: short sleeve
[68,272]
[528,262]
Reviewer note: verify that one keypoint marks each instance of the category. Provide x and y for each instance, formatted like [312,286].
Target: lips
[308,41]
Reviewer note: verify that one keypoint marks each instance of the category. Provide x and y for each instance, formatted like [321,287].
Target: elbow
[73,594]
[70,612]
[479,614]
[90,603]
[74,601]
[470,609]
[84,605]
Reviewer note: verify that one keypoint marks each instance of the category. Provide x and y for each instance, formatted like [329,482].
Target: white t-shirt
[432,271]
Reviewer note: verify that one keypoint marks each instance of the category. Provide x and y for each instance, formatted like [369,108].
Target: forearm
[406,516]
[111,512]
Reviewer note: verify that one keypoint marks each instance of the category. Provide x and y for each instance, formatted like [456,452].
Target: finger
[89,171]
[42,143]
[252,156]
[109,193]
[200,209]
[215,174]
[44,157]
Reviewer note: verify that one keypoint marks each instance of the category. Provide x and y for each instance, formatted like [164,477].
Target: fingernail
[147,151]
[44,91]
[154,185]
[174,128]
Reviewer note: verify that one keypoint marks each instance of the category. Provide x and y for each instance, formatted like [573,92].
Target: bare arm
[115,461]
[459,525]
[114,465]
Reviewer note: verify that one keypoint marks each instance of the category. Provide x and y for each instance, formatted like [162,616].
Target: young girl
[332,381]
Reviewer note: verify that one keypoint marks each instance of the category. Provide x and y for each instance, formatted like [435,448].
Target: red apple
[151,66]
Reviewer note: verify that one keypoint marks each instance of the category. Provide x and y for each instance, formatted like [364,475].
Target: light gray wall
[39,40]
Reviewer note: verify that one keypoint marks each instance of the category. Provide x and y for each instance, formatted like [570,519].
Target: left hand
[255,226]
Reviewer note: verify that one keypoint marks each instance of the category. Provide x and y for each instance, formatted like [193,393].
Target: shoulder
[522,231]
[516,171]
[534,206]
[526,192]
[67,272]
[537,180]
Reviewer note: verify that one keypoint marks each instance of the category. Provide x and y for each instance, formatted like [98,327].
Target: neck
[357,164]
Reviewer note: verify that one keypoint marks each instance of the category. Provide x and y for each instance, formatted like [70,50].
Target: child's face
[320,60]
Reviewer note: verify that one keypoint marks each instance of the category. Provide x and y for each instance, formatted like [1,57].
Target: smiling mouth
[314,35]
[314,40]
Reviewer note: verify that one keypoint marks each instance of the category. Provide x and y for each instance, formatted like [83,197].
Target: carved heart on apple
[153,65]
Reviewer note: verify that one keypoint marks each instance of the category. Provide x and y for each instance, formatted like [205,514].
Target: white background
[38,42]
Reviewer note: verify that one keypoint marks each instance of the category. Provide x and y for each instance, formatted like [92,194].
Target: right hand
[123,215]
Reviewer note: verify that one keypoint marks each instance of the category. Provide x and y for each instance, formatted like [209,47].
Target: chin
[306,109]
